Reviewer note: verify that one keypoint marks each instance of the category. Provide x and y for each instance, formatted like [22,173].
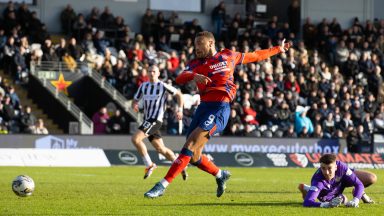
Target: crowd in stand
[329,85]
[14,118]
[17,27]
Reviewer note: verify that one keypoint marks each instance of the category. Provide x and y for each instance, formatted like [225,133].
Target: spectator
[14,97]
[290,132]
[61,49]
[147,24]
[269,113]
[28,120]
[79,27]
[303,125]
[40,128]
[309,32]
[93,18]
[75,50]
[100,42]
[346,124]
[67,18]
[100,121]
[107,18]
[49,53]
[218,16]
[35,28]
[329,126]
[3,128]
[8,53]
[117,123]
[23,15]
[70,62]
[294,16]
[249,114]
[318,132]
[283,116]
[21,68]
[235,125]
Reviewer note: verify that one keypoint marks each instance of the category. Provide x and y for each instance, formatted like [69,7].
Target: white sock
[306,187]
[147,160]
[164,182]
[218,175]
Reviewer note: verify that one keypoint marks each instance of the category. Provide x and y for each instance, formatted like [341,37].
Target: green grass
[119,191]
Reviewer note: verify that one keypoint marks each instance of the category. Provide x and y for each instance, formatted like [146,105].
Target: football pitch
[119,191]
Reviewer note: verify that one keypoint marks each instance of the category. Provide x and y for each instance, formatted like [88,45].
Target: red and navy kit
[213,112]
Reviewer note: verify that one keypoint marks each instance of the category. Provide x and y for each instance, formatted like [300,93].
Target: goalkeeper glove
[335,202]
[354,203]
[325,205]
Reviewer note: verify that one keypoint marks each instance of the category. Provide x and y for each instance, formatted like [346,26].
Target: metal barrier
[84,68]
[113,92]
[86,125]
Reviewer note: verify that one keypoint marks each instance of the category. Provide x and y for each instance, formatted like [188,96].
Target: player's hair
[153,66]
[206,34]
[328,159]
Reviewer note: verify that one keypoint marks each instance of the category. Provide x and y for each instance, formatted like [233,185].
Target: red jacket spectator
[249,114]
[291,84]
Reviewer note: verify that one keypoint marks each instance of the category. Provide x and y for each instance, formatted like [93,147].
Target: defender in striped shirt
[154,95]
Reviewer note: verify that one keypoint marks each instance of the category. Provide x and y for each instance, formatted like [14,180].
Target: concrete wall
[378,9]
[132,11]
[343,10]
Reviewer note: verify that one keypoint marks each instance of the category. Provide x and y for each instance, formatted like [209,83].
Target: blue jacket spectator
[301,120]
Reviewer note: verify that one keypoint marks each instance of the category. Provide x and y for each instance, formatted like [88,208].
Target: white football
[23,185]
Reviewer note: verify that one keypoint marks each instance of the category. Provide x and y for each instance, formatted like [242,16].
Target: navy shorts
[210,116]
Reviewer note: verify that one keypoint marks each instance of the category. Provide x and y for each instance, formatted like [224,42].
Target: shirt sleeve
[139,93]
[313,193]
[185,77]
[237,57]
[170,89]
[260,55]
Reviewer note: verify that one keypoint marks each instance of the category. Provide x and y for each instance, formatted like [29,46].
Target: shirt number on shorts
[210,120]
[147,125]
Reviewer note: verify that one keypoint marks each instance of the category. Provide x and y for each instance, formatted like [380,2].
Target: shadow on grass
[267,192]
[234,203]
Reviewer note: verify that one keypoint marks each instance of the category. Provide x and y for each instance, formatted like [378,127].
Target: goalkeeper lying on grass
[329,182]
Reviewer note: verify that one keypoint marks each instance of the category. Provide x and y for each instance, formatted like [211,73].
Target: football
[23,185]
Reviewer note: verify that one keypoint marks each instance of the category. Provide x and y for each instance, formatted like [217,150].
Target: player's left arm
[313,193]
[351,179]
[180,103]
[260,55]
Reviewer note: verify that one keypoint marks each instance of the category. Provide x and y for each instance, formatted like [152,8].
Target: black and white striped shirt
[154,97]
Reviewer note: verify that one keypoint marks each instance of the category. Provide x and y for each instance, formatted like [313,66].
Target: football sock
[306,187]
[164,182]
[218,175]
[178,165]
[208,166]
[147,160]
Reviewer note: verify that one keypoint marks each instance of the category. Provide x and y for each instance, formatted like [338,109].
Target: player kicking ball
[329,182]
[213,73]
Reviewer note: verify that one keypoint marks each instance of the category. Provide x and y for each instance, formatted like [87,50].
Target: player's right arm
[187,76]
[137,97]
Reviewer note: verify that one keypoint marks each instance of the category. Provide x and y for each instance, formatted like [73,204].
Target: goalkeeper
[329,182]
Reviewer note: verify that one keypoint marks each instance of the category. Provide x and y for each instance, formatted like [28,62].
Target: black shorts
[151,128]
